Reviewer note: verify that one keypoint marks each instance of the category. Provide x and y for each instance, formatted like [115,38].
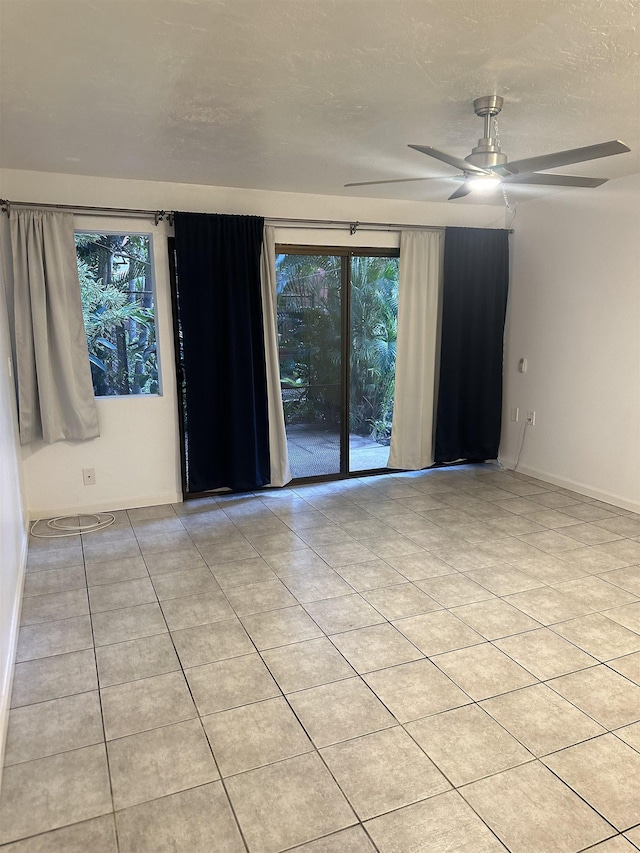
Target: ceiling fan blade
[462,191]
[556,180]
[392,181]
[564,158]
[456,162]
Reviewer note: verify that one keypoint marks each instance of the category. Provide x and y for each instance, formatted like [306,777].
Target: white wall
[574,313]
[137,455]
[13,538]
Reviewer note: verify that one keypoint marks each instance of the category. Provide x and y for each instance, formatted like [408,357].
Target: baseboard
[6,675]
[107,505]
[574,486]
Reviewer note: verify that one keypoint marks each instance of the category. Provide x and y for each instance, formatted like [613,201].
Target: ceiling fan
[487,167]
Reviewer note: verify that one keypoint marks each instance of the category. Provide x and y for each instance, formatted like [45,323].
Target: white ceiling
[306,95]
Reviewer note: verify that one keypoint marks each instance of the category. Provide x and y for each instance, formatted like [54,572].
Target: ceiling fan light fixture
[479,183]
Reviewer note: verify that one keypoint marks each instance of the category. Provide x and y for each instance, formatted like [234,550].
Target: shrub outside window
[116,282]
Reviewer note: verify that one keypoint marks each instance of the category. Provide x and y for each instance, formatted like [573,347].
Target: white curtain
[55,389]
[278,451]
[412,433]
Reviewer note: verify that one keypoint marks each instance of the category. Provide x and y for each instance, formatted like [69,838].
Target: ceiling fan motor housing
[487,152]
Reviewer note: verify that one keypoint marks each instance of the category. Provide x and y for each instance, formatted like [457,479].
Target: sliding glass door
[337,321]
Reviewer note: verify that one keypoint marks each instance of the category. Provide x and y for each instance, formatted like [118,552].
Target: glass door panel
[372,360]
[310,347]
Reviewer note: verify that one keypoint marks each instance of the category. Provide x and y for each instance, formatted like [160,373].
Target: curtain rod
[160,215]
[135,213]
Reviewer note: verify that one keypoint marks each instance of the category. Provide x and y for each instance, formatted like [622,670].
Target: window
[116,282]
[337,326]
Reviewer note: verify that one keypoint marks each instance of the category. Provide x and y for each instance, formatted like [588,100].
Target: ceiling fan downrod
[487,153]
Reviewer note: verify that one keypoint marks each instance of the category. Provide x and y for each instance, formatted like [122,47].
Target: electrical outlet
[89,476]
[531,418]
[515,414]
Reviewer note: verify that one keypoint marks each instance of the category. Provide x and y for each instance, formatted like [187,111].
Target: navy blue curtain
[220,320]
[474,301]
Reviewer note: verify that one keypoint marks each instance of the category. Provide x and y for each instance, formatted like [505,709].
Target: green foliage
[310,334]
[117,300]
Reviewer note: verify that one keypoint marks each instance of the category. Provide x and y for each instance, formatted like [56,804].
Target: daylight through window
[116,281]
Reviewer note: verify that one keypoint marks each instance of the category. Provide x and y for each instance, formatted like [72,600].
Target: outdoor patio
[313,452]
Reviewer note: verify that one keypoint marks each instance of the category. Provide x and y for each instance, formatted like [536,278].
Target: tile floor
[441,661]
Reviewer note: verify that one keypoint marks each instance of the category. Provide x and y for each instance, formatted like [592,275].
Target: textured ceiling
[306,95]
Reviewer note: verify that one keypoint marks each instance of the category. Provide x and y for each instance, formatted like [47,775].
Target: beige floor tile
[400,600]
[599,636]
[540,719]
[371,574]
[596,592]
[483,671]
[335,712]
[54,638]
[199,820]
[530,809]
[453,590]
[260,597]
[634,836]
[415,690]
[625,549]
[315,584]
[141,658]
[288,803]
[54,606]
[116,571]
[129,623]
[159,762]
[54,580]
[548,605]
[467,744]
[606,773]
[146,704]
[629,666]
[590,560]
[619,844]
[377,647]
[344,553]
[415,567]
[544,654]
[280,627]
[51,792]
[57,725]
[195,610]
[254,735]
[308,664]
[624,526]
[239,572]
[628,615]
[603,694]
[353,840]
[590,534]
[53,677]
[551,541]
[383,771]
[503,580]
[174,561]
[212,642]
[97,835]
[345,613]
[627,578]
[230,683]
[495,618]
[438,632]
[442,824]
[187,582]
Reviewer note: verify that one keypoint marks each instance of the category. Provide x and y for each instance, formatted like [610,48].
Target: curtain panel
[53,375]
[418,296]
[278,450]
[221,321]
[474,301]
